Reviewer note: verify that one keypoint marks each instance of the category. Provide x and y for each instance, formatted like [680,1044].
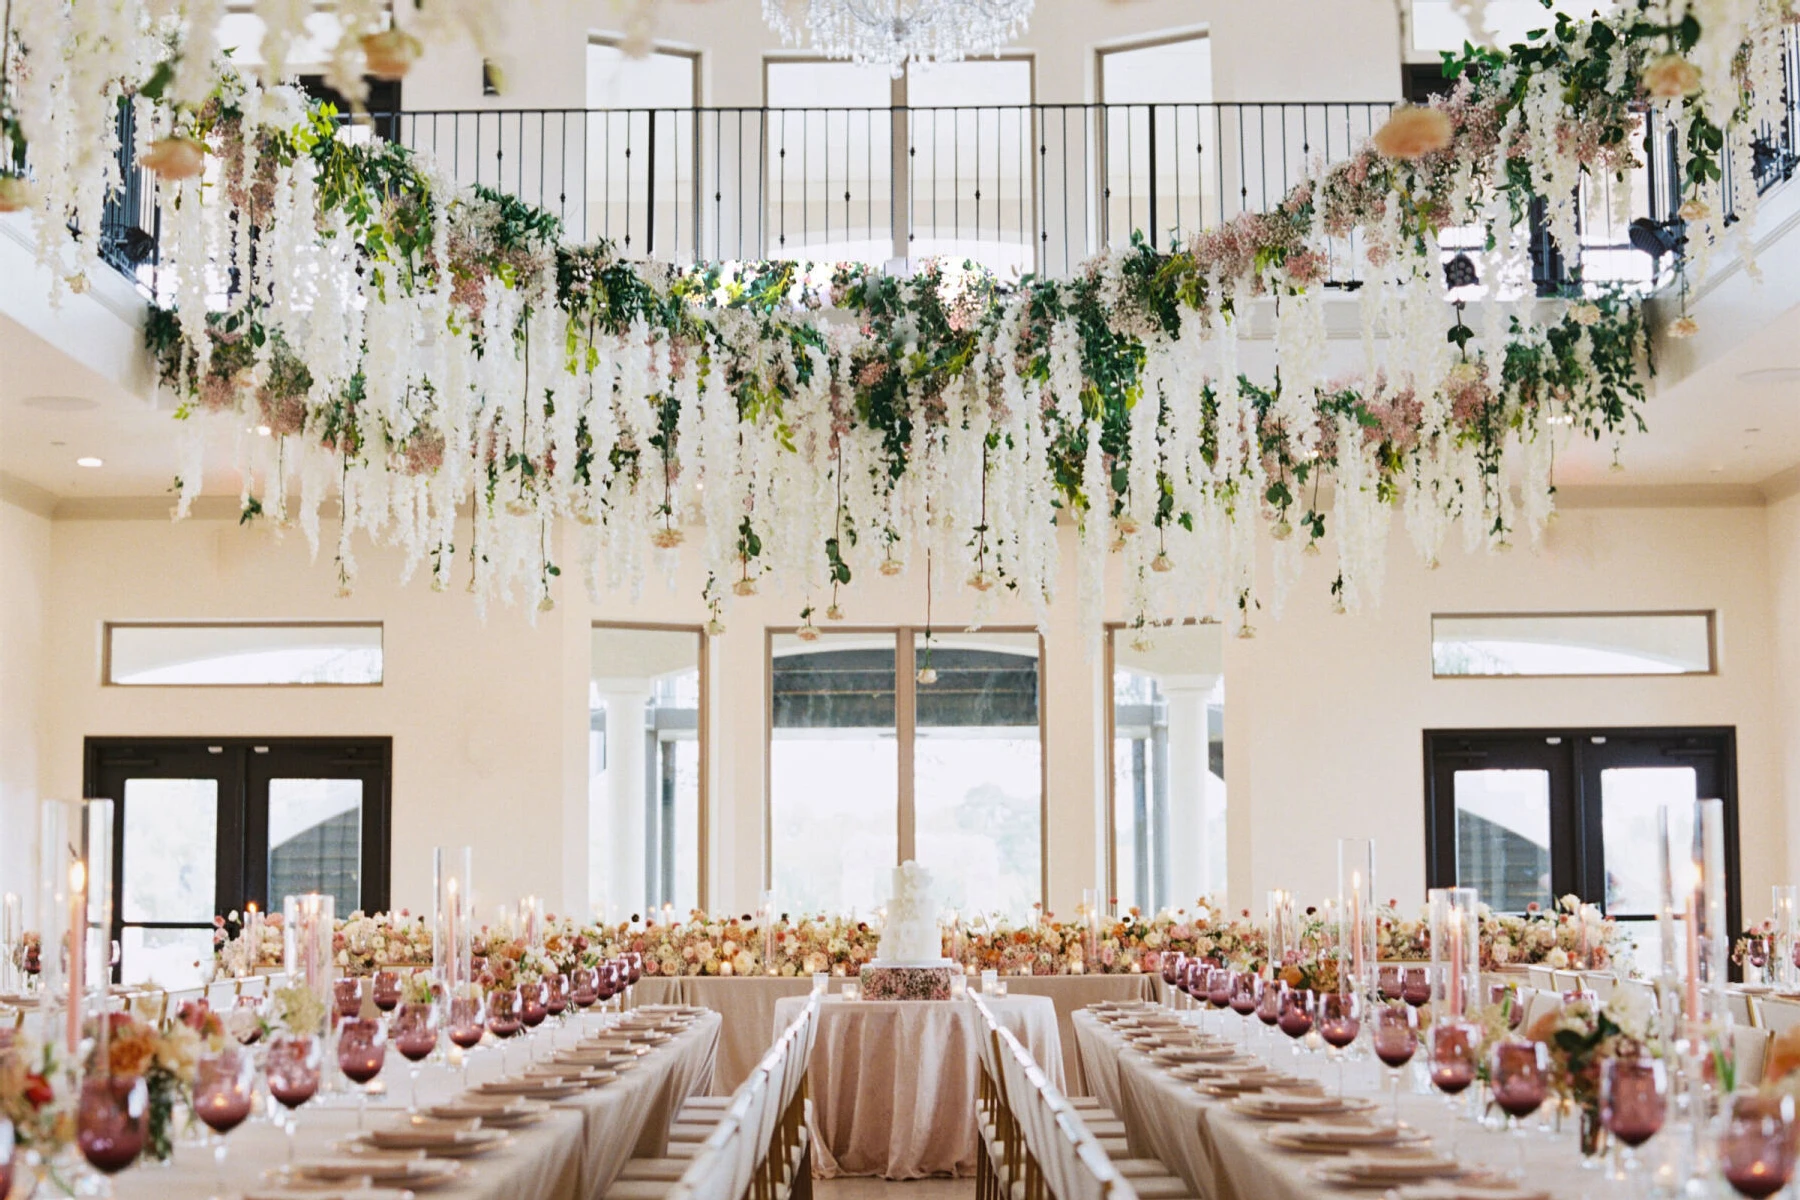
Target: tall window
[865,167]
[207,826]
[872,762]
[641,151]
[1166,797]
[1161,138]
[647,783]
[1527,816]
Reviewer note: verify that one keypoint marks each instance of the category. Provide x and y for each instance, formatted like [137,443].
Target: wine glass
[223,1083]
[1340,1020]
[503,1017]
[1415,986]
[385,988]
[414,1030]
[1296,1019]
[1268,1009]
[1246,994]
[245,1020]
[1172,967]
[346,997]
[292,1068]
[1218,987]
[556,995]
[584,987]
[465,1020]
[362,1050]
[1520,1071]
[532,1009]
[1387,981]
[1633,1097]
[112,1120]
[1454,1045]
[1756,1148]
[1396,1037]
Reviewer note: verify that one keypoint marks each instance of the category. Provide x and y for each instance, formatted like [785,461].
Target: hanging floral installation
[417,350]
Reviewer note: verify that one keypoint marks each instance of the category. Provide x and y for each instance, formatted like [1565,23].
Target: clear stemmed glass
[1296,1019]
[584,988]
[1455,1045]
[556,995]
[1756,1148]
[1520,1071]
[1633,1098]
[1218,987]
[224,1082]
[1387,981]
[362,1050]
[1396,1038]
[465,1020]
[112,1120]
[346,997]
[1415,986]
[293,1070]
[1340,1020]
[414,1032]
[1172,967]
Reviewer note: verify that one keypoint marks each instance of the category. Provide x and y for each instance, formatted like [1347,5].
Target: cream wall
[1351,51]
[1784,650]
[1324,713]
[24,585]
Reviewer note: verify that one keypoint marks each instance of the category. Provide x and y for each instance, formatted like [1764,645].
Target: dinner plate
[536,1089]
[1755,989]
[1466,1189]
[1310,1138]
[611,1060]
[572,1073]
[1178,1056]
[415,1171]
[1292,1106]
[1386,1170]
[326,1191]
[464,1143]
[500,1112]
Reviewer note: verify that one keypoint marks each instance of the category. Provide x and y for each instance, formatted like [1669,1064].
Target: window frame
[1712,642]
[106,651]
[1109,731]
[1577,848]
[702,734]
[697,62]
[905,639]
[1167,37]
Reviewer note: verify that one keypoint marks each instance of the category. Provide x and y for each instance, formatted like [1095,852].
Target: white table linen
[574,1154]
[1222,1155]
[893,1081]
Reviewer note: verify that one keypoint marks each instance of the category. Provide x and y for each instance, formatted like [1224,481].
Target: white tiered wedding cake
[909,963]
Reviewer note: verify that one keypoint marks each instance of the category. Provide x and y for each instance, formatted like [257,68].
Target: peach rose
[1683,327]
[1694,210]
[175,158]
[391,54]
[1784,1055]
[1413,132]
[1671,77]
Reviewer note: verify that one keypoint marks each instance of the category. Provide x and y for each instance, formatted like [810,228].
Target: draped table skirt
[893,1081]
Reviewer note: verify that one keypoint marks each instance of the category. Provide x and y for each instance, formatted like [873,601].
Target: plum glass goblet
[1634,1092]
[1339,1016]
[1396,1039]
[414,1033]
[224,1084]
[384,987]
[292,1068]
[1756,1147]
[112,1120]
[362,1050]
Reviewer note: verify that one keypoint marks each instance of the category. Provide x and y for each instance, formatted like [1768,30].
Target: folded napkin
[1456,1189]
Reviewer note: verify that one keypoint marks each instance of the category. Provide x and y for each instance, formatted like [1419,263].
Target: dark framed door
[1531,815]
[205,826]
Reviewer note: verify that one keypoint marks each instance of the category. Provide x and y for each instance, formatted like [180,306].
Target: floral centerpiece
[163,1051]
[28,1096]
[366,942]
[1581,1035]
[233,948]
[28,954]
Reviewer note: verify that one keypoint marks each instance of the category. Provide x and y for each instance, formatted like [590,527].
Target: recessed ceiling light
[62,404]
[1771,375]
[88,460]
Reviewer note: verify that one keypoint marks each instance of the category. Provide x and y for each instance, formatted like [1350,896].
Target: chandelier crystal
[893,33]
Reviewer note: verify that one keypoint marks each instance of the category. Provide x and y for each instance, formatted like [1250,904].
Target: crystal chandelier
[895,32]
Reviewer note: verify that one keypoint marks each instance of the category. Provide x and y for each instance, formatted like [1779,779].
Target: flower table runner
[893,1081]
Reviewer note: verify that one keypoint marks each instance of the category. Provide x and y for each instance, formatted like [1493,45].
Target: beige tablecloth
[575,1154]
[1223,1156]
[748,1006]
[893,1081]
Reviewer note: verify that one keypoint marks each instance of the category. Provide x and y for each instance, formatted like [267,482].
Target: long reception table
[574,1153]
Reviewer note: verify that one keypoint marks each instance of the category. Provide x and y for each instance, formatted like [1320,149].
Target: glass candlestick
[1455,949]
[1356,913]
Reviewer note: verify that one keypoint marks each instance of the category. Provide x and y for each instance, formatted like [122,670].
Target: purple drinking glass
[556,993]
[1634,1092]
[1387,981]
[1756,1148]
[414,1033]
[1415,986]
[1454,1046]
[362,1051]
[1339,1016]
[1268,1010]
[385,987]
[346,997]
[1395,1035]
[112,1120]
[224,1084]
[1519,1071]
[584,987]
[292,1068]
[1246,992]
[1218,987]
[1296,1019]
[532,1009]
[465,1021]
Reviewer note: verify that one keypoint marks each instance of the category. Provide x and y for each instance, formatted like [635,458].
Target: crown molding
[28,496]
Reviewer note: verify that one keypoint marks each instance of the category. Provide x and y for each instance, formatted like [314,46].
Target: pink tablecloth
[893,1082]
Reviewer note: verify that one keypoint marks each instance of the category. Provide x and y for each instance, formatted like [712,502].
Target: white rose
[1558,959]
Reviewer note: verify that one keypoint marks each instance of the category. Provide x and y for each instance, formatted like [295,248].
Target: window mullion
[905,712]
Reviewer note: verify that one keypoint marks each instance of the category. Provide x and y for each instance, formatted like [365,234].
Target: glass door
[203,828]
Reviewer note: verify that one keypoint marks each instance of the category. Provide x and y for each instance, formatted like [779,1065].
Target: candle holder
[1357,950]
[1455,949]
[766,914]
[1692,915]
[1282,936]
[12,937]
[531,920]
[306,945]
[1786,900]
[451,946]
[75,909]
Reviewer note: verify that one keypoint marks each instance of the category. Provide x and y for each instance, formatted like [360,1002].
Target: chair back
[1778,1016]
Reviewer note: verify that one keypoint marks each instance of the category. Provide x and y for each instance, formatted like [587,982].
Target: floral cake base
[906,983]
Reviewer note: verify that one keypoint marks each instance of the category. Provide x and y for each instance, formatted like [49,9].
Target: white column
[1189,782]
[625,701]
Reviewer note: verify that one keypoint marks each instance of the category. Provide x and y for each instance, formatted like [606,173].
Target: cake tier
[907,982]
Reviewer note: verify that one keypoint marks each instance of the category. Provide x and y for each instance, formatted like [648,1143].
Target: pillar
[626,701]
[1189,783]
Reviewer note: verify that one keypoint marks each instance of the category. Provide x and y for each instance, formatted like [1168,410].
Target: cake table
[893,1081]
